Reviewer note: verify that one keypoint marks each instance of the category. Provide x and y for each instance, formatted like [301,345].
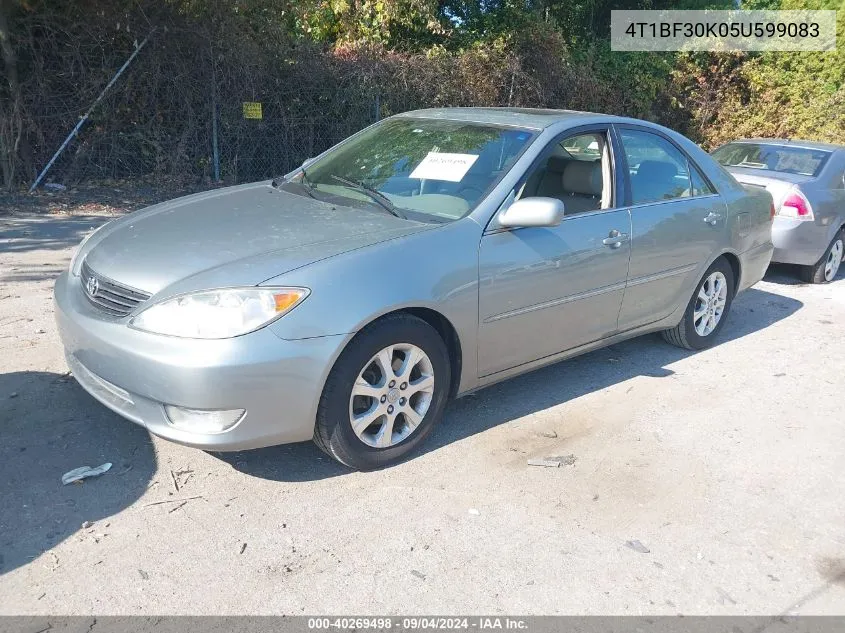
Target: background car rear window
[781,158]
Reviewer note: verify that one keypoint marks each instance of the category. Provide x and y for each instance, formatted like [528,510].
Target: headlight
[219,313]
[78,249]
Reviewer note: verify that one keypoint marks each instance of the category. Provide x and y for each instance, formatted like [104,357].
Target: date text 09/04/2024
[418,623]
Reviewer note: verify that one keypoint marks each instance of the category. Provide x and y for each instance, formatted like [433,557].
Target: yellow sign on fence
[252,110]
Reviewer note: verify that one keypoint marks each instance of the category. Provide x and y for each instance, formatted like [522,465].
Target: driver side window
[576,171]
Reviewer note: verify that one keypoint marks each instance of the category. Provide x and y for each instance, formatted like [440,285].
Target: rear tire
[824,271]
[710,302]
[384,394]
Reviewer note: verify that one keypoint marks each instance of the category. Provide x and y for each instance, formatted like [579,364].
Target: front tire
[385,393]
[708,309]
[824,271]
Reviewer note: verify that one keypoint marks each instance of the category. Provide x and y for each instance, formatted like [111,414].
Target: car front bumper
[798,241]
[278,382]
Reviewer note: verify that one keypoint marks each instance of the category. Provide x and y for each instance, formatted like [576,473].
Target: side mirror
[532,212]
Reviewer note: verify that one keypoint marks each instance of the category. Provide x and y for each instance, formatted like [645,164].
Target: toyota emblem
[92,286]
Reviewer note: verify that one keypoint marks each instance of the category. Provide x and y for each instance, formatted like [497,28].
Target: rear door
[678,221]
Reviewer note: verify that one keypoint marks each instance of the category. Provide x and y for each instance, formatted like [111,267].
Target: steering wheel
[470,194]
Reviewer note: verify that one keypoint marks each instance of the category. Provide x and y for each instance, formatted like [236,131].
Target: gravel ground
[707,483]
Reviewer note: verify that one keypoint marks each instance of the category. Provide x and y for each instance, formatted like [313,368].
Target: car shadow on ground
[22,234]
[50,232]
[790,275]
[649,355]
[48,426]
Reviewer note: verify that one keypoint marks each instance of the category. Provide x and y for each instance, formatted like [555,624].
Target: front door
[546,290]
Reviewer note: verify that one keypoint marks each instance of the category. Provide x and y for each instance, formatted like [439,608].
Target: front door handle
[712,218]
[615,239]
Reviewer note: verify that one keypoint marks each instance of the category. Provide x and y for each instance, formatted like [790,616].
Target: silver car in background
[807,182]
[429,255]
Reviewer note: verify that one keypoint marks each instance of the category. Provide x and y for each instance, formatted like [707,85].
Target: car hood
[235,236]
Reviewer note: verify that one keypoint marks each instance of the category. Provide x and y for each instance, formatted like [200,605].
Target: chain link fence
[231,98]
[213,98]
[258,140]
[232,138]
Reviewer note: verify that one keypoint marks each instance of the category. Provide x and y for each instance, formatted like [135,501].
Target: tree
[11,125]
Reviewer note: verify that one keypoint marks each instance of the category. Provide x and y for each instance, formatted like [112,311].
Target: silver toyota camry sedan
[427,256]
[807,182]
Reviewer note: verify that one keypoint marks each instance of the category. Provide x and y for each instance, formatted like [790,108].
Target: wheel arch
[449,334]
[444,327]
[736,267]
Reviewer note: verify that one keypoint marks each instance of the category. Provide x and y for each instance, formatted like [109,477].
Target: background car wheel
[824,271]
[385,393]
[708,309]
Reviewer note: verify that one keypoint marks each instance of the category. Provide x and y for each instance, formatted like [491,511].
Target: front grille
[108,295]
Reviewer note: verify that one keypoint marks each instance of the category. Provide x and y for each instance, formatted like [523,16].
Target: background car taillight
[796,206]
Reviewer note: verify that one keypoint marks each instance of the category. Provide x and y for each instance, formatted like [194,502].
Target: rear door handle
[615,239]
[712,218]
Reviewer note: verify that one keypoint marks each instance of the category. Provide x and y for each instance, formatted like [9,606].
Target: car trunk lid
[779,184]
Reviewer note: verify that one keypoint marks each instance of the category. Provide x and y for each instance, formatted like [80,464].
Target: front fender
[435,269]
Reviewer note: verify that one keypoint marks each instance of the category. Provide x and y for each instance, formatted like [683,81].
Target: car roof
[532,118]
[791,142]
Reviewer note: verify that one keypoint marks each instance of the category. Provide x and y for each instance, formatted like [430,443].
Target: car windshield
[423,169]
[781,158]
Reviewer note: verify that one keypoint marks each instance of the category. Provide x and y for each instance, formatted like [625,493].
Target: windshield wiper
[374,194]
[303,181]
[307,185]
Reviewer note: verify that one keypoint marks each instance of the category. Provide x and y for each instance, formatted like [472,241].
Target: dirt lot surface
[692,483]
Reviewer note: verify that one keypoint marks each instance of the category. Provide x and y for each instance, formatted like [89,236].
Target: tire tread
[679,335]
[326,431]
[814,273]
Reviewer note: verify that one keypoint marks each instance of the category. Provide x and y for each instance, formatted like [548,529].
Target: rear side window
[699,185]
[659,171]
[780,158]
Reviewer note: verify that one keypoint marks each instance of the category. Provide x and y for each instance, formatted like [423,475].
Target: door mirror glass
[536,211]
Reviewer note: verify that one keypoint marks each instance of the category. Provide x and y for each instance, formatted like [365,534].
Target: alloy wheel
[391,395]
[710,303]
[834,259]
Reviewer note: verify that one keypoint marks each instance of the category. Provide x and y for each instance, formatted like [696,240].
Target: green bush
[323,67]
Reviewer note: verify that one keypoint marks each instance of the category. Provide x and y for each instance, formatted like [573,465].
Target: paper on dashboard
[444,166]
